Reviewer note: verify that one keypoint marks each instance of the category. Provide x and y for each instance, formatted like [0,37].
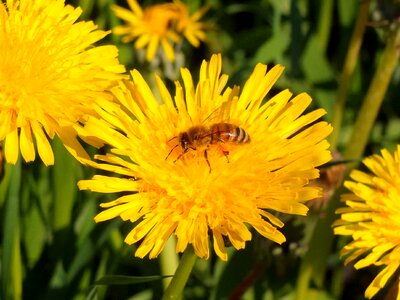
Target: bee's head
[184,140]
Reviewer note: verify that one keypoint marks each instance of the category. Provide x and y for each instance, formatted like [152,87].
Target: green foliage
[50,247]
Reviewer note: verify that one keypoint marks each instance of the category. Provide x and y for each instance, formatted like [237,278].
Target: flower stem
[181,276]
[348,69]
[373,100]
[168,261]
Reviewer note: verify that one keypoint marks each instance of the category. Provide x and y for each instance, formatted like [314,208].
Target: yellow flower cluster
[160,24]
[210,160]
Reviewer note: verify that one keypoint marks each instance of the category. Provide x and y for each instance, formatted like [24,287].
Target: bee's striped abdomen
[225,132]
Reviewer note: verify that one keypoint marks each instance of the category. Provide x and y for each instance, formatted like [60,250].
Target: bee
[202,136]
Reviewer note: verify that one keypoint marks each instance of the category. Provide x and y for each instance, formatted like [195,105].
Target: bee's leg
[183,153]
[171,151]
[224,152]
[180,155]
[206,157]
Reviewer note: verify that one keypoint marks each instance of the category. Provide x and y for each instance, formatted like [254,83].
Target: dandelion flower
[372,218]
[50,74]
[190,25]
[159,24]
[214,188]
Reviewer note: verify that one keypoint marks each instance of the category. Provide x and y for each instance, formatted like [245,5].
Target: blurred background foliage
[50,247]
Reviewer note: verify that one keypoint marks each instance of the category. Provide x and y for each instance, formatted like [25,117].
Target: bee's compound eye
[184,140]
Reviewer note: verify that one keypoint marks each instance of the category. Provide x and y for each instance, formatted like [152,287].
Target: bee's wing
[223,112]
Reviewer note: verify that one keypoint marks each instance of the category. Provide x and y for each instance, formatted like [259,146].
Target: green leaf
[85,253]
[4,184]
[84,223]
[230,274]
[65,187]
[36,201]
[314,63]
[392,129]
[324,23]
[274,47]
[92,295]
[59,277]
[11,266]
[123,280]
[87,8]
[347,11]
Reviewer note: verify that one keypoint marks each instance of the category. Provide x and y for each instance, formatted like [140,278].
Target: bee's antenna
[175,137]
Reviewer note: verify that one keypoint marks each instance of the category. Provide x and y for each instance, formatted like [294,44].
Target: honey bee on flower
[202,137]
[207,162]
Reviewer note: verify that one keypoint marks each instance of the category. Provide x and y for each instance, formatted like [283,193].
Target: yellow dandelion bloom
[209,160]
[50,74]
[372,218]
[190,25]
[159,24]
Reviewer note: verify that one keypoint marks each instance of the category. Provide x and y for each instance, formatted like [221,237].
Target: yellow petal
[11,148]
[26,144]
[43,145]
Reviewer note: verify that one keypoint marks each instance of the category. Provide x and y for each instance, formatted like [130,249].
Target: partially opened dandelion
[189,24]
[160,27]
[50,75]
[372,218]
[218,188]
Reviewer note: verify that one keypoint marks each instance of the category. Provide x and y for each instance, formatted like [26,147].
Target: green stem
[314,262]
[168,261]
[375,95]
[348,69]
[181,276]
[324,23]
